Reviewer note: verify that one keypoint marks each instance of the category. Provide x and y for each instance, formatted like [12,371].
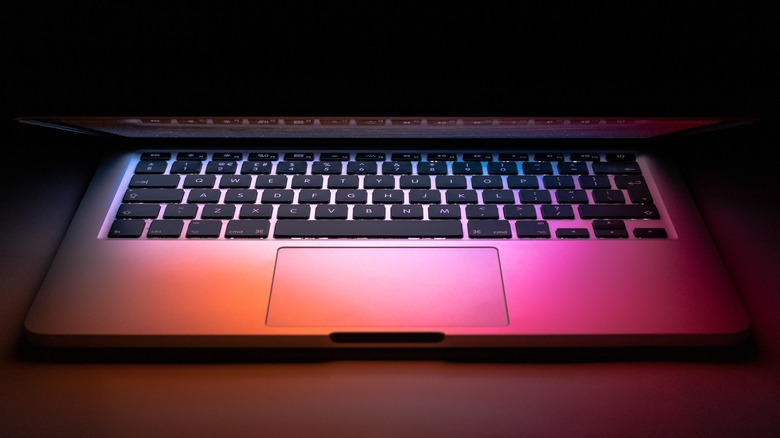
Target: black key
[557,212]
[334,156]
[487,182]
[381,181]
[609,224]
[255,212]
[444,212]
[406,156]
[489,229]
[204,196]
[571,196]
[274,196]
[603,196]
[222,167]
[461,196]
[309,196]
[153,195]
[512,157]
[432,168]
[156,156]
[611,234]
[519,212]
[241,196]
[291,167]
[212,211]
[616,168]
[479,156]
[151,166]
[370,156]
[537,168]
[343,182]
[235,181]
[127,228]
[361,168]
[548,156]
[595,182]
[307,182]
[155,181]
[180,211]
[498,197]
[380,229]
[440,156]
[387,197]
[368,212]
[406,212]
[253,228]
[648,233]
[572,168]
[138,211]
[271,182]
[397,168]
[186,167]
[293,212]
[331,212]
[229,156]
[467,168]
[199,181]
[625,211]
[450,182]
[424,196]
[481,212]
[502,168]
[165,228]
[263,156]
[572,233]
[326,167]
[194,156]
[522,182]
[636,186]
[298,156]
[415,182]
[348,196]
[532,229]
[558,182]
[621,156]
[535,196]
[204,229]
[586,156]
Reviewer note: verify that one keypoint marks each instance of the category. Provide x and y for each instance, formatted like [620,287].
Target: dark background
[399,58]
[390,59]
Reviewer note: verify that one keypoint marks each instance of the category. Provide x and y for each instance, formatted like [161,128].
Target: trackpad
[387,287]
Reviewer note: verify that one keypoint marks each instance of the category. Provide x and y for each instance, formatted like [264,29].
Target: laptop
[339,232]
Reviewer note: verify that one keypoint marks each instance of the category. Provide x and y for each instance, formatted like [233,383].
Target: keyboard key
[343,182]
[334,156]
[548,156]
[240,196]
[621,156]
[307,182]
[557,212]
[212,211]
[387,197]
[522,182]
[406,156]
[444,212]
[571,196]
[293,211]
[253,228]
[138,211]
[572,168]
[467,168]
[155,181]
[153,195]
[616,168]
[586,156]
[204,196]
[519,212]
[595,182]
[152,166]
[168,228]
[439,156]
[432,168]
[649,233]
[397,168]
[204,229]
[368,212]
[299,156]
[572,233]
[535,196]
[326,167]
[180,211]
[347,196]
[532,229]
[291,167]
[256,167]
[502,168]
[481,212]
[222,167]
[558,182]
[498,197]
[636,186]
[379,229]
[424,197]
[235,181]
[271,182]
[415,182]
[255,211]
[127,228]
[512,157]
[199,181]
[310,196]
[479,156]
[450,182]
[626,211]
[461,197]
[603,196]
[537,168]
[611,234]
[277,196]
[361,168]
[370,156]
[489,229]
[406,212]
[487,182]
[331,212]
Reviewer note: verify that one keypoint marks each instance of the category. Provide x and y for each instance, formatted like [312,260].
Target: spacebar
[361,228]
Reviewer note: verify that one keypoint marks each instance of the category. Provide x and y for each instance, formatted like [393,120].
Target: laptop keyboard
[399,195]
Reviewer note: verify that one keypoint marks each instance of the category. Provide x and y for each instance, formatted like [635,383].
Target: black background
[394,58]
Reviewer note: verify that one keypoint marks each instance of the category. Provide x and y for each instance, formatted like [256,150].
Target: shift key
[627,211]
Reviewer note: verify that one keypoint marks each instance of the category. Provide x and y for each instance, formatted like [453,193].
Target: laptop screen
[382,127]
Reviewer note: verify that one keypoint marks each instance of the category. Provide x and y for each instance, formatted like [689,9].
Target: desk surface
[653,392]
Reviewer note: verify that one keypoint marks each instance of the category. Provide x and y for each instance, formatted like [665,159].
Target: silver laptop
[386,232]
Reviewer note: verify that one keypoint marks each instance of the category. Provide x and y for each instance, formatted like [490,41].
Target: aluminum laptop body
[386,232]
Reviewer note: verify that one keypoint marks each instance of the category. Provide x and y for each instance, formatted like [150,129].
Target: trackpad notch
[387,287]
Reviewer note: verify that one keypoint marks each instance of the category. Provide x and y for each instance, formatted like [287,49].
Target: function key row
[381,156]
